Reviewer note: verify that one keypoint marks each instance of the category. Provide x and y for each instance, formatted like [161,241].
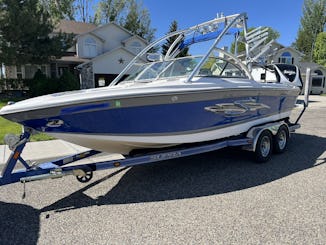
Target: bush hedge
[40,84]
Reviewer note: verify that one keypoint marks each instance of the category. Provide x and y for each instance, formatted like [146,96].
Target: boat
[167,100]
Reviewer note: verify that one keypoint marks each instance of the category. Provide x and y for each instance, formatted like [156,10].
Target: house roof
[69,26]
[291,49]
[71,59]
[120,27]
[134,37]
[313,66]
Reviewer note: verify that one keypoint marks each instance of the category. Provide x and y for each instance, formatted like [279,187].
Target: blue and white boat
[166,102]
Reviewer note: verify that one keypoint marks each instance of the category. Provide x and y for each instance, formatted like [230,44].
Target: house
[289,55]
[107,49]
[70,59]
[318,76]
[100,53]
[286,55]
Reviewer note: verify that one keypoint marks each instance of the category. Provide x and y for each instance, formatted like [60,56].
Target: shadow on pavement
[299,101]
[19,224]
[201,175]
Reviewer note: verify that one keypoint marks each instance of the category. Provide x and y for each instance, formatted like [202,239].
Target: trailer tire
[264,147]
[85,178]
[281,139]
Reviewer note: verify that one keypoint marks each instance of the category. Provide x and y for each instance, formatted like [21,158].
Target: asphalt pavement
[217,198]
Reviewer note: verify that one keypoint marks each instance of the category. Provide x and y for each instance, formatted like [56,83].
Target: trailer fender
[256,131]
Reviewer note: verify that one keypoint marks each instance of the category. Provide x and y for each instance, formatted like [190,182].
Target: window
[136,47]
[318,72]
[2,71]
[90,47]
[19,72]
[44,70]
[286,58]
[316,82]
[61,70]
[30,71]
[101,82]
[53,70]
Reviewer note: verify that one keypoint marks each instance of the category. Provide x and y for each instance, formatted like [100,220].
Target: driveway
[216,198]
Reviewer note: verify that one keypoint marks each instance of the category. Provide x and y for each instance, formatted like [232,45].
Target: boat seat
[205,72]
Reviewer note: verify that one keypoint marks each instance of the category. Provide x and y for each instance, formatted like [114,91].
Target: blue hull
[161,119]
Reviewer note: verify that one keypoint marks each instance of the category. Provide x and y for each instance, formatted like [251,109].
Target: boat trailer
[255,140]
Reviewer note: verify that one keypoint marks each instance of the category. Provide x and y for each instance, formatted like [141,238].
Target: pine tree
[25,29]
[169,41]
[138,21]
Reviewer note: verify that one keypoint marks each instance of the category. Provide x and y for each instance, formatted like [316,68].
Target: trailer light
[116,164]
[16,155]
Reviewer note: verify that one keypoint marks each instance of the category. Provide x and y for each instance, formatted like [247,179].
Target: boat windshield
[214,66]
[221,67]
[164,69]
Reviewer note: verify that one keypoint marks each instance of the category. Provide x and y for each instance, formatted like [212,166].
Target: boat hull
[121,125]
[125,144]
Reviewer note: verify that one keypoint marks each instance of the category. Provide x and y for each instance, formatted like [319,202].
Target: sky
[282,15]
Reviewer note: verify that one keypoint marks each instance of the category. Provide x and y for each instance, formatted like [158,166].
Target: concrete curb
[43,151]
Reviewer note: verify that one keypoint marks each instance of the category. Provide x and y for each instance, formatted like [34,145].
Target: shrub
[41,85]
[68,82]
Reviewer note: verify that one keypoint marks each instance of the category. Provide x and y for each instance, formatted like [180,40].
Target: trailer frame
[84,172]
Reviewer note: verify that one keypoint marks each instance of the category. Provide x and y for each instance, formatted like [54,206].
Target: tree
[59,9]
[83,10]
[128,13]
[320,49]
[272,35]
[110,11]
[138,21]
[312,23]
[169,41]
[25,29]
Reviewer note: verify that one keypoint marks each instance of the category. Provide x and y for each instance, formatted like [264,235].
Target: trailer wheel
[264,147]
[85,178]
[281,139]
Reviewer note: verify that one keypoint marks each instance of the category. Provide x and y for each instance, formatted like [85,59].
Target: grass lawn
[7,127]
